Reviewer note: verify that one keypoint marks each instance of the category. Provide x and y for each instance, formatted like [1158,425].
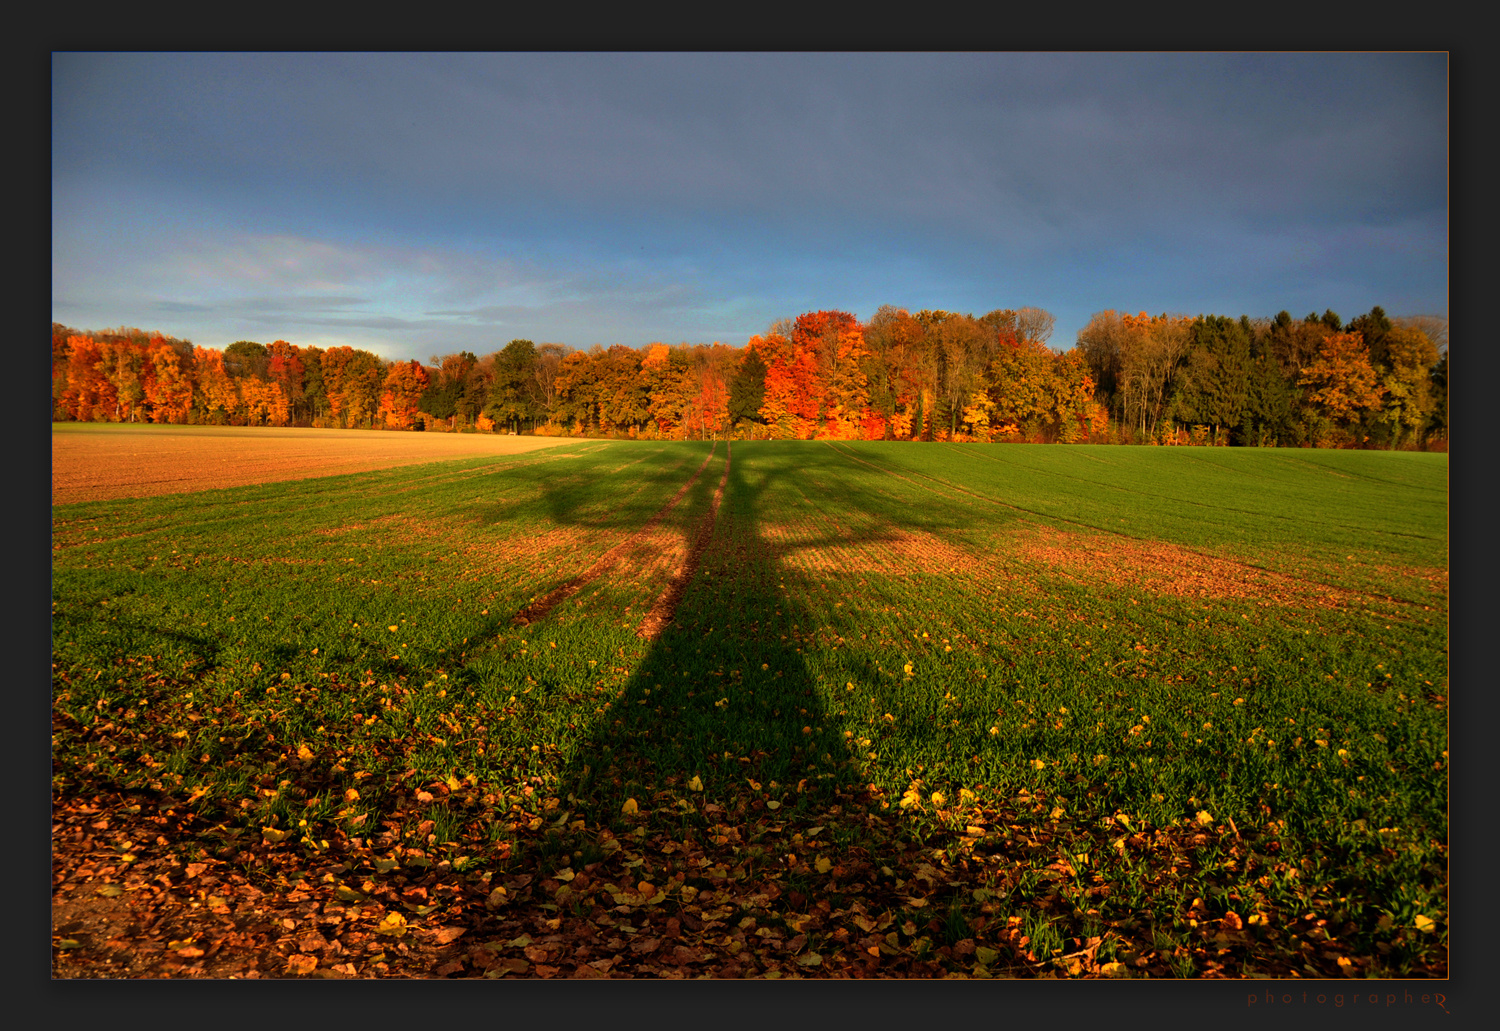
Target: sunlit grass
[321,654]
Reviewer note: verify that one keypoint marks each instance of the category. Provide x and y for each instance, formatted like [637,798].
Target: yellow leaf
[1203,818]
[394,925]
[823,865]
[695,784]
[1422,923]
[392,629]
[273,835]
[630,808]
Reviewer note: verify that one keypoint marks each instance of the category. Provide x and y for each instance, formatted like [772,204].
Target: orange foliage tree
[169,385]
[218,395]
[404,384]
[1340,382]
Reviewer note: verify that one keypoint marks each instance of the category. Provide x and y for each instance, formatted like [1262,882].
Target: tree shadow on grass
[722,722]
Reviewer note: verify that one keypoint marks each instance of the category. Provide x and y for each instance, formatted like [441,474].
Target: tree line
[929,375]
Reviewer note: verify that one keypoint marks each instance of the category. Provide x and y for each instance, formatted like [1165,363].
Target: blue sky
[419,204]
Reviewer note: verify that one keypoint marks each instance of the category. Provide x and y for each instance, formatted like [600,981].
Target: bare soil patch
[889,552]
[1169,569]
[101,461]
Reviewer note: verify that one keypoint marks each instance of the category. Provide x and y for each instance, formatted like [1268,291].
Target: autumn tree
[403,387]
[90,393]
[169,388]
[1340,382]
[285,368]
[314,393]
[217,396]
[577,386]
[664,371]
[779,403]
[624,399]
[1410,357]
[1153,347]
[353,380]
[1020,391]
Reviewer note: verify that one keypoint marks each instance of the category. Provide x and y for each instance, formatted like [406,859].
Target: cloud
[634,197]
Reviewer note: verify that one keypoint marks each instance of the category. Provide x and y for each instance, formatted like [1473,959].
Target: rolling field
[795,709]
[92,461]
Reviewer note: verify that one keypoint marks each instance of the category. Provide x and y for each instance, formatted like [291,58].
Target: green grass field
[988,710]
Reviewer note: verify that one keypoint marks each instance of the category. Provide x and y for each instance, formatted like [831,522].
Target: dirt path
[666,606]
[539,608]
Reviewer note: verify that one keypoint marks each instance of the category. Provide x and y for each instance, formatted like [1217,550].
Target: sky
[415,205]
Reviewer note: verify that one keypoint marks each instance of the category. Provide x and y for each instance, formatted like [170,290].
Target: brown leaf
[301,964]
[448,934]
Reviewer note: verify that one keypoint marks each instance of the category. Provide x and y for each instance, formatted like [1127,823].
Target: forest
[1375,382]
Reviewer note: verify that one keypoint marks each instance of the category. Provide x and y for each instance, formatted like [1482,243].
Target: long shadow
[724,694]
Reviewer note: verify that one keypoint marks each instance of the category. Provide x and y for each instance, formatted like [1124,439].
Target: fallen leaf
[301,964]
[394,925]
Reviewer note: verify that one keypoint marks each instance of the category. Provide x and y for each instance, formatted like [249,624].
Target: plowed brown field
[99,461]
